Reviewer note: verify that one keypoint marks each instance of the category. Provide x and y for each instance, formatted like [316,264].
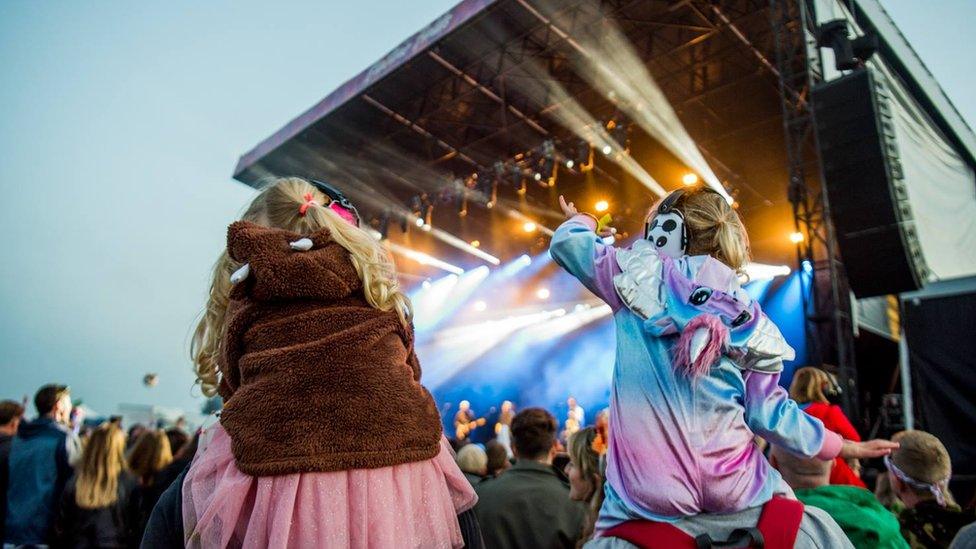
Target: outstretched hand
[868,449]
[569,210]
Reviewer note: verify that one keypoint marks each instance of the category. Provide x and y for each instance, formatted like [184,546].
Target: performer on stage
[464,422]
[503,428]
[575,417]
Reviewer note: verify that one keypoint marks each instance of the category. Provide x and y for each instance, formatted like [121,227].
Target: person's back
[10,414]
[114,525]
[39,467]
[529,505]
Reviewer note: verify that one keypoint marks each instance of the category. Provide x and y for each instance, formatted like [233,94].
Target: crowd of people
[65,484]
[328,438]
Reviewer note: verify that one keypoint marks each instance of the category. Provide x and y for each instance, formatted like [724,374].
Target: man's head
[571,402]
[800,472]
[534,435]
[920,468]
[54,401]
[10,414]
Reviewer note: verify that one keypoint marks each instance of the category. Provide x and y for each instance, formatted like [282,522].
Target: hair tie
[309,201]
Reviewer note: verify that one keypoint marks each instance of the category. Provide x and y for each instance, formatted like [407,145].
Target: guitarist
[464,422]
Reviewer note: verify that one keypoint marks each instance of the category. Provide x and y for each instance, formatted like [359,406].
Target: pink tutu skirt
[409,505]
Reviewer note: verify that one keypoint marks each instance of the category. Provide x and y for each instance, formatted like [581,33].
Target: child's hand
[569,210]
[869,449]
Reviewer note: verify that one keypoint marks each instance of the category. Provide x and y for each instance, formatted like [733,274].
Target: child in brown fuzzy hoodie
[327,438]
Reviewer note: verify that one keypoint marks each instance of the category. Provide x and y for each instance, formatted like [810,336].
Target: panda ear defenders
[668,231]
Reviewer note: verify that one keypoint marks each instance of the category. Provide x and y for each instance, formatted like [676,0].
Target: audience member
[965,539]
[99,506]
[862,517]
[147,457]
[40,461]
[529,505]
[811,388]
[10,414]
[585,477]
[181,460]
[473,462]
[498,460]
[177,438]
[919,472]
[133,435]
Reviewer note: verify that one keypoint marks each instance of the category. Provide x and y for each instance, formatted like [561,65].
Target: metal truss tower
[826,298]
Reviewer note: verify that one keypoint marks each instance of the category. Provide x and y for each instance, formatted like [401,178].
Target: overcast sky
[120,124]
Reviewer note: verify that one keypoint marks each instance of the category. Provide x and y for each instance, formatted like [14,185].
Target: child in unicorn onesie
[697,366]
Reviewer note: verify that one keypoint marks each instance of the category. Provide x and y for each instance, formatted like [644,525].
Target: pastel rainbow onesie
[681,446]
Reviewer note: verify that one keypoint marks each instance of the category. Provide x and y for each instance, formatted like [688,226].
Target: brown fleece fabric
[313,377]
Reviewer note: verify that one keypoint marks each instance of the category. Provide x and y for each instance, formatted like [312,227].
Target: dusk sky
[120,125]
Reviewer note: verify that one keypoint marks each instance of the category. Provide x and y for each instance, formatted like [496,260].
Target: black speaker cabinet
[868,200]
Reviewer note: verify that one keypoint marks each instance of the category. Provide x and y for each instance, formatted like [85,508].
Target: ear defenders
[338,201]
[668,232]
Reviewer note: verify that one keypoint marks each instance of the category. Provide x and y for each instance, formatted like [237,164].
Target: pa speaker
[865,187]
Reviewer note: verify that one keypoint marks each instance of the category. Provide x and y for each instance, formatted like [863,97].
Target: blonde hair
[277,206]
[714,227]
[808,385]
[102,461]
[585,458]
[150,454]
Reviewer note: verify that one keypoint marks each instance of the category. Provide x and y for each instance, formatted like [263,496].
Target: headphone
[669,232]
[337,199]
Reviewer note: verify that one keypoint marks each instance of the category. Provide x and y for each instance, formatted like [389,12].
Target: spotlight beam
[423,258]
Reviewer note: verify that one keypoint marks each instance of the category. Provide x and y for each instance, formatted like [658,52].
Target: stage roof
[464,93]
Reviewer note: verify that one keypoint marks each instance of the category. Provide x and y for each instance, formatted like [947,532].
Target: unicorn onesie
[681,439]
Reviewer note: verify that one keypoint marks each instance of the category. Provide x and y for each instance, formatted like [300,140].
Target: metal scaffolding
[826,297]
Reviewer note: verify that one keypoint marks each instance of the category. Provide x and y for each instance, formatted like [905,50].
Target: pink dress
[409,505]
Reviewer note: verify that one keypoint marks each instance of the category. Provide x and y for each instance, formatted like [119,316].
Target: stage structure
[457,143]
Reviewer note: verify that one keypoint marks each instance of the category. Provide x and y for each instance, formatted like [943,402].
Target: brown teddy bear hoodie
[313,377]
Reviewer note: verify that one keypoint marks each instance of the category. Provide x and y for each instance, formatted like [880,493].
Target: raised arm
[577,248]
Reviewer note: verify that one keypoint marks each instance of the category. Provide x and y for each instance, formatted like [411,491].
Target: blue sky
[120,124]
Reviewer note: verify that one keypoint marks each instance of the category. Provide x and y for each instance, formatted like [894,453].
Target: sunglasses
[338,201]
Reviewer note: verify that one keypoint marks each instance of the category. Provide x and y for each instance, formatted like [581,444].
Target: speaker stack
[865,185]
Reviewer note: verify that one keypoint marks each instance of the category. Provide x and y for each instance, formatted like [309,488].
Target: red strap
[780,522]
[646,534]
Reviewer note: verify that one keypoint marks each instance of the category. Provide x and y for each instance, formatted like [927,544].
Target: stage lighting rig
[619,129]
[583,156]
[848,54]
[546,172]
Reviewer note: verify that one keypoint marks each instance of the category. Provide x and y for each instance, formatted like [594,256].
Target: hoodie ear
[285,265]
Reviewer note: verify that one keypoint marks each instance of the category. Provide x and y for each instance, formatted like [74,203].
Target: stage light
[607,149]
[425,227]
[601,206]
[425,284]
[570,163]
[423,258]
[796,237]
[476,243]
[807,266]
[537,176]
[480,305]
[689,179]
[760,271]
[529,227]
[524,260]
[419,222]
[542,293]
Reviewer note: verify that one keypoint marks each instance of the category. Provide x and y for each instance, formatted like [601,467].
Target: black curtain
[941,333]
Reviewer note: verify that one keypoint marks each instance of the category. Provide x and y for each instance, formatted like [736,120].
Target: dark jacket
[528,506]
[165,527]
[5,441]
[116,525]
[40,464]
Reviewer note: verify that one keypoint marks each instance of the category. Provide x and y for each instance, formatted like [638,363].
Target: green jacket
[862,517]
[528,506]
